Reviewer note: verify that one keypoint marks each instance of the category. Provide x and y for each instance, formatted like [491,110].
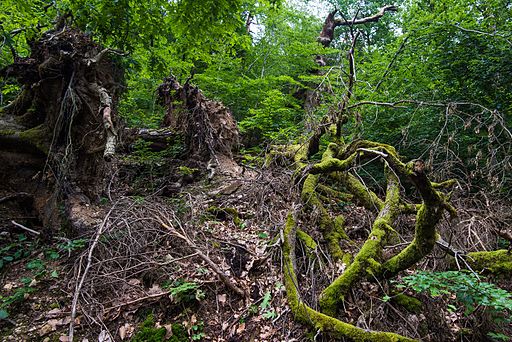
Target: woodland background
[431,79]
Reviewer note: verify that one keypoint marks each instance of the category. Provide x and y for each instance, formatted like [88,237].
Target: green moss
[410,303]
[179,333]
[148,332]
[365,260]
[365,196]
[423,242]
[307,240]
[497,262]
[307,315]
[224,212]
[38,136]
[7,132]
[332,229]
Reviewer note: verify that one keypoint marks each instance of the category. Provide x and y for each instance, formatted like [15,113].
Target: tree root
[306,314]
[365,260]
[368,263]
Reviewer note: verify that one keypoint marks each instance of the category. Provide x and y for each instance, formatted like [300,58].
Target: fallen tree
[332,180]
[65,121]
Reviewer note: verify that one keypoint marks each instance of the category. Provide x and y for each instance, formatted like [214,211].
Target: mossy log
[496,262]
[331,228]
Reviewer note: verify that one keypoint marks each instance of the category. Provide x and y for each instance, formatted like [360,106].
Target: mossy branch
[305,314]
[365,260]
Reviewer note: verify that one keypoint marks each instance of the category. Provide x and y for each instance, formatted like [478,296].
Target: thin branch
[492,34]
[371,19]
[25,228]
[390,65]
[80,284]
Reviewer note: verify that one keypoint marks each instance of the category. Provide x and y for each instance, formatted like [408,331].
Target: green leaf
[265,303]
[3,314]
[269,314]
[36,264]
[262,235]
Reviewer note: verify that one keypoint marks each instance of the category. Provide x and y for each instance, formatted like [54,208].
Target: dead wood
[64,117]
[207,126]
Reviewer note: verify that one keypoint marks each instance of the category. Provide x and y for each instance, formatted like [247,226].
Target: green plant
[186,171]
[197,331]
[18,296]
[266,310]
[185,291]
[15,250]
[72,245]
[467,289]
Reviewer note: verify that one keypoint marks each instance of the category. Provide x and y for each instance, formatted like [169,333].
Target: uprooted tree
[60,135]
[61,130]
[330,180]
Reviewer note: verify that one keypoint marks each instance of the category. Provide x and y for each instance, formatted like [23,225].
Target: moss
[332,229]
[365,196]
[223,212]
[497,262]
[7,132]
[307,240]
[410,303]
[38,136]
[423,242]
[305,314]
[365,260]
[179,333]
[338,195]
[148,332]
[283,154]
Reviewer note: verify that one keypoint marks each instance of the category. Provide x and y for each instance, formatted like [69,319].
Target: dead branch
[370,19]
[390,65]
[25,228]
[82,276]
[209,261]
[102,53]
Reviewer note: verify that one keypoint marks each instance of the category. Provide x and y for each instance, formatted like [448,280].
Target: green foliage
[72,245]
[276,118]
[466,286]
[142,153]
[186,171]
[266,310]
[467,289]
[139,106]
[18,296]
[184,291]
[15,250]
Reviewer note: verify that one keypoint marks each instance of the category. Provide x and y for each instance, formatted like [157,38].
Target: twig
[79,285]
[156,295]
[25,228]
[210,263]
[15,196]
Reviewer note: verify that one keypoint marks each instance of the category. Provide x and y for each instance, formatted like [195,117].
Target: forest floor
[234,221]
[164,235]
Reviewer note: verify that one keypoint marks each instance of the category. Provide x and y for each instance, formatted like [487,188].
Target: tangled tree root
[368,262]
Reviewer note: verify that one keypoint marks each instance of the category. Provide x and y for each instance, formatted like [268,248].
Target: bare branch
[371,19]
